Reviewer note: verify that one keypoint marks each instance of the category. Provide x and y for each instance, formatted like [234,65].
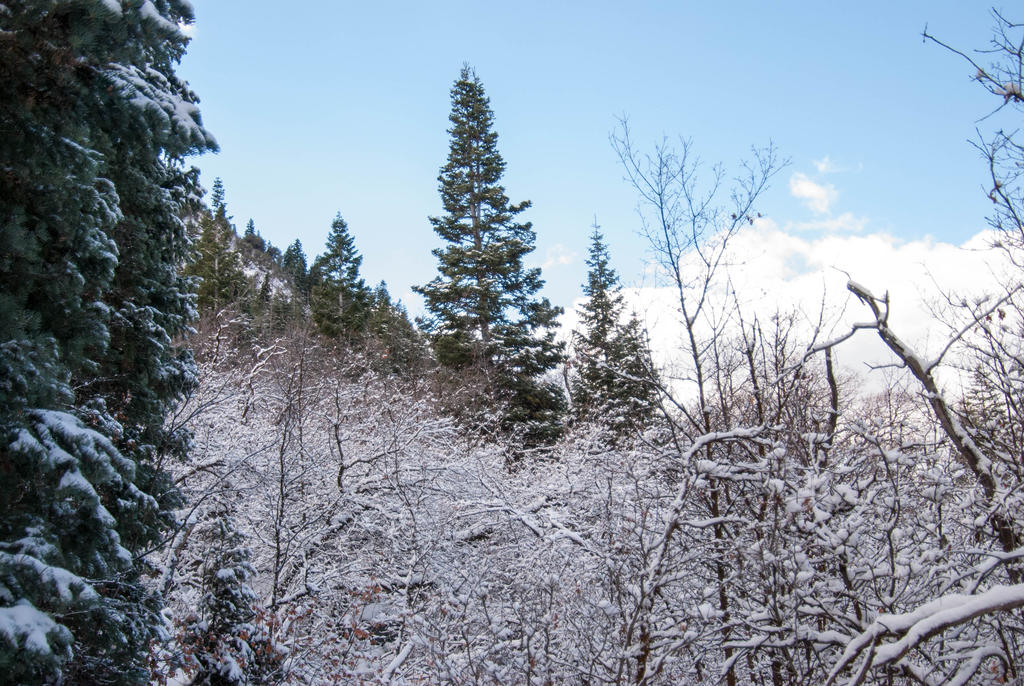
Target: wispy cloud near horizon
[775,269]
[558,256]
[818,197]
[825,165]
[846,223]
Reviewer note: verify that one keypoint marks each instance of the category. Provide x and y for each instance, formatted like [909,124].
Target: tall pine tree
[216,263]
[294,264]
[338,296]
[96,126]
[484,308]
[613,380]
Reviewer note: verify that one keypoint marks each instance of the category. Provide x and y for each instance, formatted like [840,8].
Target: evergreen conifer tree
[294,264]
[484,308]
[389,323]
[613,378]
[273,253]
[217,201]
[338,295]
[253,239]
[225,642]
[264,294]
[95,127]
[216,263]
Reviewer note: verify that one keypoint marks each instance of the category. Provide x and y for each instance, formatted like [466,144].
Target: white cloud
[846,222]
[777,270]
[816,196]
[558,256]
[826,166]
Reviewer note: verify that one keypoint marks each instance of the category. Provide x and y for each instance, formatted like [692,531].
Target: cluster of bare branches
[775,525]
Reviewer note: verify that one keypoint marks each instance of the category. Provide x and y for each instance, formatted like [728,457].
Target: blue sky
[323,106]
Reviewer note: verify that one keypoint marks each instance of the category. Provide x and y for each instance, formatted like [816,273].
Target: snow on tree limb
[915,627]
[979,463]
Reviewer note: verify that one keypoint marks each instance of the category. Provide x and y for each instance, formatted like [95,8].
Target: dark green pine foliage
[401,346]
[287,307]
[252,238]
[484,309]
[338,296]
[227,644]
[95,127]
[293,263]
[273,253]
[216,263]
[614,381]
[217,201]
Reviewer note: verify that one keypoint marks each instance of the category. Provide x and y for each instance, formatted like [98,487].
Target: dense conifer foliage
[294,264]
[95,126]
[484,309]
[338,296]
[224,642]
[613,378]
[403,349]
[216,263]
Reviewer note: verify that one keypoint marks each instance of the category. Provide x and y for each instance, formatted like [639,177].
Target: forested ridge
[225,462]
